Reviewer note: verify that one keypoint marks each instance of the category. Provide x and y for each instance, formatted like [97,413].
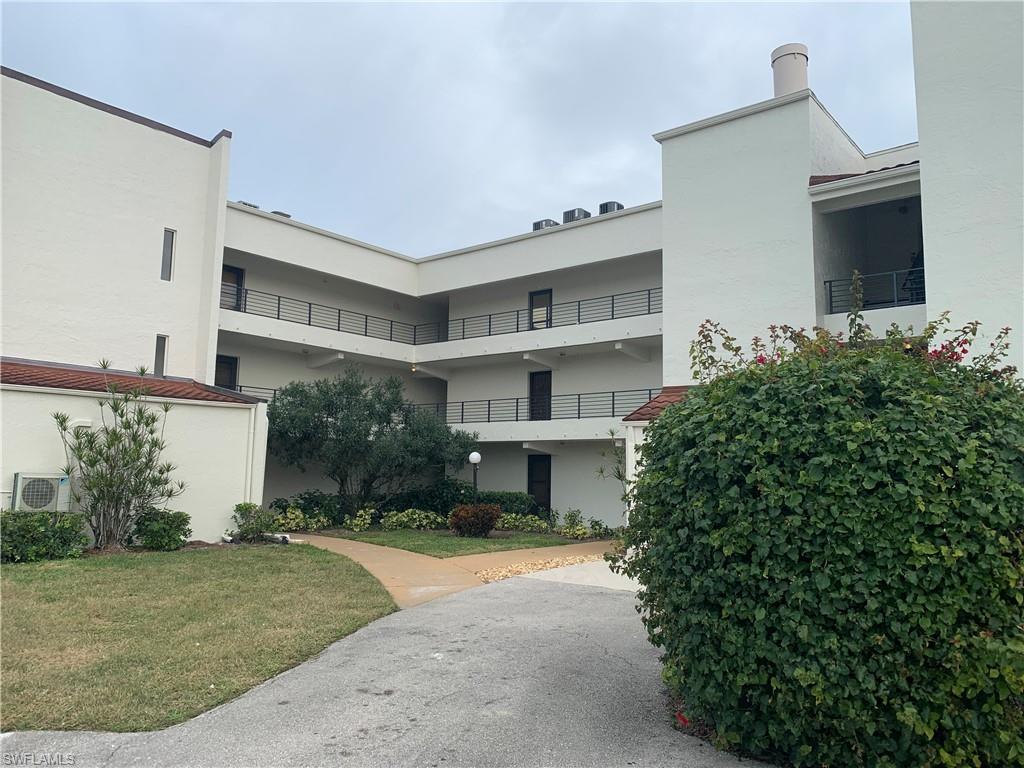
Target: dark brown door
[232,282]
[540,309]
[540,395]
[538,479]
[226,373]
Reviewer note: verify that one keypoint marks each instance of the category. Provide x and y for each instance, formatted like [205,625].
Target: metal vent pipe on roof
[789,68]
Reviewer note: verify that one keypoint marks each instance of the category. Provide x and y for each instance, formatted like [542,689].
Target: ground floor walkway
[544,670]
[412,578]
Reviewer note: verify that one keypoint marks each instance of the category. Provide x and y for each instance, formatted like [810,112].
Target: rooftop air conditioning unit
[282,213]
[575,214]
[610,207]
[41,491]
[544,224]
[248,204]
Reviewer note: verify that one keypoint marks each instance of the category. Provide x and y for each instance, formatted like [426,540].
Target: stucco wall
[86,198]
[217,448]
[737,230]
[583,373]
[969,72]
[592,281]
[260,365]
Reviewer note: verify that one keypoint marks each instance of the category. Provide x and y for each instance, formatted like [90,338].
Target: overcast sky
[424,128]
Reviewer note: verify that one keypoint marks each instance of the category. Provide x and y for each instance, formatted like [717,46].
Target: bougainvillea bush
[829,537]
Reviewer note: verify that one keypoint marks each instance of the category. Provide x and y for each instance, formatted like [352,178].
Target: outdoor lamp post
[474,459]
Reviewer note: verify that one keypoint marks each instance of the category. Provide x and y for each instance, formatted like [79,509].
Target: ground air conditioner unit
[50,492]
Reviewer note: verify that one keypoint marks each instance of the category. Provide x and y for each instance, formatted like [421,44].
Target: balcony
[588,405]
[584,405]
[635,303]
[882,290]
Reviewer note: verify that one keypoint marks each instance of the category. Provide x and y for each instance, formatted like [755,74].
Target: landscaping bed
[139,641]
[447,544]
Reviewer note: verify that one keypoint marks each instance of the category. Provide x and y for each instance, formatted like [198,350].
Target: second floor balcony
[591,310]
[882,290]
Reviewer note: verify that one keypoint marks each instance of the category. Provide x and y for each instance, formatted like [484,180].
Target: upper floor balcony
[882,290]
[539,316]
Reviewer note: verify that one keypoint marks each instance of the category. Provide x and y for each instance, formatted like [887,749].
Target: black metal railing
[646,301]
[586,405]
[263,393]
[643,302]
[317,315]
[881,290]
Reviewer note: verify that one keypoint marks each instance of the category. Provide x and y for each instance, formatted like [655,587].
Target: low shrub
[572,526]
[415,519]
[313,504]
[441,496]
[252,521]
[26,536]
[476,520]
[511,502]
[599,530]
[162,529]
[526,523]
[294,519]
[360,521]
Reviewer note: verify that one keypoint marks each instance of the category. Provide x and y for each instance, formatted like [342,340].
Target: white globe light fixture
[474,459]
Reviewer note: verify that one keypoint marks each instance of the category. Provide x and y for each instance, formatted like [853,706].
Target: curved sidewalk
[412,578]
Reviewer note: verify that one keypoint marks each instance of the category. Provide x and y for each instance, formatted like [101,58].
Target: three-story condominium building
[119,242]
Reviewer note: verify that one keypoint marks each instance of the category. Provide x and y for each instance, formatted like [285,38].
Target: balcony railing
[588,405]
[882,289]
[642,302]
[585,405]
[317,315]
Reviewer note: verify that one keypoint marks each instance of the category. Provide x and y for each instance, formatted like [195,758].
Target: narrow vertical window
[160,362]
[168,258]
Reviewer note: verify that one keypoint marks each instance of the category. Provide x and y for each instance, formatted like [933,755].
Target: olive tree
[363,435]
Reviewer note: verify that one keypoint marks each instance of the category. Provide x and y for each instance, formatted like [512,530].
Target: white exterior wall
[737,230]
[969,68]
[301,245]
[600,238]
[261,365]
[624,275]
[86,198]
[575,483]
[218,448]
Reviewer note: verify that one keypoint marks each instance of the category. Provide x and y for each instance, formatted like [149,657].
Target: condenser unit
[50,492]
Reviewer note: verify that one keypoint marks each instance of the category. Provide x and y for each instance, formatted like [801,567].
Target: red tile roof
[665,398]
[815,180]
[32,373]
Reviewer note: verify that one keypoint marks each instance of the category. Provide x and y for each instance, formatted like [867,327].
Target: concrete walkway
[525,672]
[412,578]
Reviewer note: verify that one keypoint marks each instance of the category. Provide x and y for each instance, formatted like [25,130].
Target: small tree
[363,435]
[116,470]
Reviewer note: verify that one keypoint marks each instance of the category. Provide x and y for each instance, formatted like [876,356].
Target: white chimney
[789,66]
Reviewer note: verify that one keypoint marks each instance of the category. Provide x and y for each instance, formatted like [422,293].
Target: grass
[138,641]
[447,544]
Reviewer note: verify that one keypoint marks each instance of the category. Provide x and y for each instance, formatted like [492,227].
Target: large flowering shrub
[829,537]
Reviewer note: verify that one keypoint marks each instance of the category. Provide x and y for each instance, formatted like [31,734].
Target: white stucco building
[540,343]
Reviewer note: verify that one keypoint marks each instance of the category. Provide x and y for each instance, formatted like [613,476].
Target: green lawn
[447,544]
[139,641]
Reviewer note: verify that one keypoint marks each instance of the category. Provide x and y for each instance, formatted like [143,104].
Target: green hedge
[831,554]
[444,495]
[26,536]
[162,529]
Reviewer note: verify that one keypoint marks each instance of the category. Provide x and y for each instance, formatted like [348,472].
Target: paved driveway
[524,672]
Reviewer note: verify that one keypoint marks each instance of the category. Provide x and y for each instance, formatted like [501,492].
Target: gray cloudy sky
[428,127]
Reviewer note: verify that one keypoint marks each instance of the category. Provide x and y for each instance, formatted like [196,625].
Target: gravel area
[518,569]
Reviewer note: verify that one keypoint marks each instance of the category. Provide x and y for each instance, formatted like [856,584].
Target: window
[160,361]
[226,373]
[168,258]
